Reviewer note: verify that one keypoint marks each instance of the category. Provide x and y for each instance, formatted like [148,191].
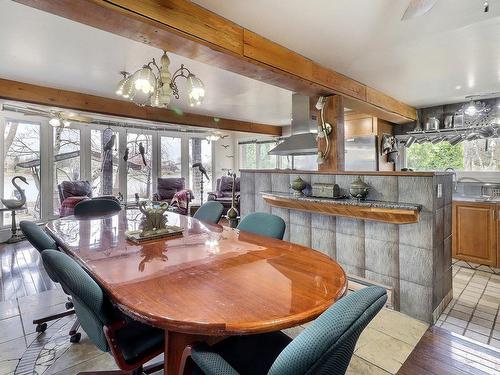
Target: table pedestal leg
[175,343]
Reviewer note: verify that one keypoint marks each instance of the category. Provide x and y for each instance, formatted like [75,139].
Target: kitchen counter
[388,212]
[472,199]
[352,173]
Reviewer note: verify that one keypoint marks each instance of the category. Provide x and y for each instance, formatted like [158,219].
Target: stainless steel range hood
[301,141]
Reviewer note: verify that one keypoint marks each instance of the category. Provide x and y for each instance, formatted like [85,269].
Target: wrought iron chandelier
[144,87]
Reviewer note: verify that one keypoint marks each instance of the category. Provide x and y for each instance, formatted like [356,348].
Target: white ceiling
[40,48]
[421,61]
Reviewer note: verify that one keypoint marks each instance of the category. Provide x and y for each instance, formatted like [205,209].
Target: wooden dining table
[209,283]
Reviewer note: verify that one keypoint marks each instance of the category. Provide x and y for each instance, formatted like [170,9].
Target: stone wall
[413,259]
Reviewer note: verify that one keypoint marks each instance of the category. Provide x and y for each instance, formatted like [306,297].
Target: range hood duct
[301,141]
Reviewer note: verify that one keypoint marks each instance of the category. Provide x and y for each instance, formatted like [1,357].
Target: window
[305,162]
[66,159]
[139,176]
[200,151]
[248,156]
[476,155]
[104,162]
[22,158]
[170,150]
[266,161]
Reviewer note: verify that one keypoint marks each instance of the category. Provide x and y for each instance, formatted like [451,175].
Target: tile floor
[381,349]
[474,310]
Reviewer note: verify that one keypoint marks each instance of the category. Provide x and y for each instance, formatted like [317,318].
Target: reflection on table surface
[211,275]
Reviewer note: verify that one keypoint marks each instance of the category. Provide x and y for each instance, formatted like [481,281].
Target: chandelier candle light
[144,87]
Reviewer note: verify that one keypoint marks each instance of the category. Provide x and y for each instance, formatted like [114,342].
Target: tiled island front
[413,259]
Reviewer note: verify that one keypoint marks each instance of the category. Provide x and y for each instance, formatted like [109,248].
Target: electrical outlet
[439,192]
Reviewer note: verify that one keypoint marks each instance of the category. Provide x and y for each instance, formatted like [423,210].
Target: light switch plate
[439,190]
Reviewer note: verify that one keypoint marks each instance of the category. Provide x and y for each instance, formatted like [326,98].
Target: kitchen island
[412,257]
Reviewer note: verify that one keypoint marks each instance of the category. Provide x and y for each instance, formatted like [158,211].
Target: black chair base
[139,371]
[41,324]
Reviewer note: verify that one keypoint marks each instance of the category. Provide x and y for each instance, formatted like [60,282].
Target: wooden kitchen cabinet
[475,232]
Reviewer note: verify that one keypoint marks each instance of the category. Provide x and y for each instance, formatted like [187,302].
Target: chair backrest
[68,189]
[37,236]
[168,186]
[264,224]
[225,184]
[92,306]
[209,212]
[327,345]
[39,240]
[96,207]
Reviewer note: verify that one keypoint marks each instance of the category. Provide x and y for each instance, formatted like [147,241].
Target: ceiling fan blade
[417,8]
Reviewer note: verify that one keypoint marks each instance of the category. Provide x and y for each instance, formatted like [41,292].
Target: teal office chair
[209,212]
[41,241]
[97,207]
[264,224]
[325,347]
[131,343]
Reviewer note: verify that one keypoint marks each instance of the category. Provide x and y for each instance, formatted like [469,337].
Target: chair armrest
[212,196]
[211,363]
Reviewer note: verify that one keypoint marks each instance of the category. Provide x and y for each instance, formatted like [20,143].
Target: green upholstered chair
[324,347]
[209,212]
[97,207]
[264,224]
[131,343]
[41,241]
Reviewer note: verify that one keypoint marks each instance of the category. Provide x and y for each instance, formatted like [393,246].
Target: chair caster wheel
[68,305]
[75,338]
[41,327]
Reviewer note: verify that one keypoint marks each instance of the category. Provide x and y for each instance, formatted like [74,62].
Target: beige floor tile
[75,354]
[482,322]
[453,328]
[479,329]
[486,309]
[399,326]
[13,349]
[495,343]
[456,321]
[10,328]
[382,350]
[476,336]
[103,362]
[8,367]
[40,312]
[459,315]
[8,309]
[44,299]
[484,315]
[463,309]
[293,332]
[358,366]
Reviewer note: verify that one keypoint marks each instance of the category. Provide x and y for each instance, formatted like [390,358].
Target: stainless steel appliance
[361,153]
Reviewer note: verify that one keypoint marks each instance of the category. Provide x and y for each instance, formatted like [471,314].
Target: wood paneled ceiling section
[194,32]
[24,92]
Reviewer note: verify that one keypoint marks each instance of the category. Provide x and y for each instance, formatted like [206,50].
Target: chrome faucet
[454,178]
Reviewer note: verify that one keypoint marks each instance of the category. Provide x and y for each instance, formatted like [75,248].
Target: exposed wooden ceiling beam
[189,30]
[24,92]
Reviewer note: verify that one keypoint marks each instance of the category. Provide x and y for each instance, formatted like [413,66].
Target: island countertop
[390,212]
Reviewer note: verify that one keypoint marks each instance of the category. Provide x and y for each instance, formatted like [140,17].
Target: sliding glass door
[139,168]
[104,162]
[22,158]
[66,159]
[170,157]
[200,151]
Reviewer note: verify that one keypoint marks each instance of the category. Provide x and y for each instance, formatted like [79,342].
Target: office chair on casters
[41,241]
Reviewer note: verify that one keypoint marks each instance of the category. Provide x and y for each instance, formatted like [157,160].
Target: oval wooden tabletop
[213,280]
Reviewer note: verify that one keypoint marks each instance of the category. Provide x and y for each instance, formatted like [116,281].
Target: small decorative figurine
[16,203]
[298,185]
[232,213]
[358,189]
[153,219]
